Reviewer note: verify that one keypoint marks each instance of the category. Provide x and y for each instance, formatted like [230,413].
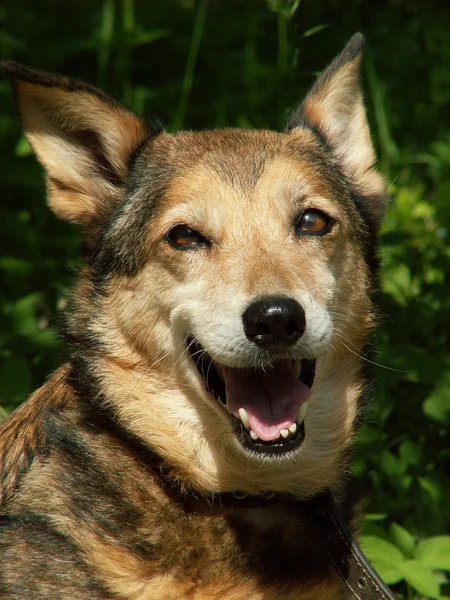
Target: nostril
[263,329]
[292,328]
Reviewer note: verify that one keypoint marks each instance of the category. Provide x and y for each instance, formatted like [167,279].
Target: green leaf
[374,517]
[398,283]
[16,266]
[384,556]
[315,29]
[391,465]
[402,539]
[434,552]
[437,405]
[421,578]
[410,453]
[376,547]
[431,487]
[389,574]
[23,148]
[140,38]
[24,314]
[375,530]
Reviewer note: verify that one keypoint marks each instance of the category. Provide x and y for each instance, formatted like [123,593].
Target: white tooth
[297,368]
[253,435]
[293,428]
[302,413]
[244,417]
[284,433]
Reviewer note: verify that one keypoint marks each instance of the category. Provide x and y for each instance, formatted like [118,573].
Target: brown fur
[112,472]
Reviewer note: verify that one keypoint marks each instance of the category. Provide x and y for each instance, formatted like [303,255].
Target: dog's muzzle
[267,405]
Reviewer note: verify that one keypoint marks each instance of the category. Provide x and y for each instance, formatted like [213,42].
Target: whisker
[372,362]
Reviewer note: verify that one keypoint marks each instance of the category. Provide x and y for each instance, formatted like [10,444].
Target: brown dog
[216,332]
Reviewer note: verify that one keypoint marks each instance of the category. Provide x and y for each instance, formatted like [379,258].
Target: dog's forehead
[237,156]
[242,161]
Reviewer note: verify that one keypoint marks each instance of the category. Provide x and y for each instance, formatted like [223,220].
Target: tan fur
[22,433]
[121,455]
[217,463]
[77,189]
[336,108]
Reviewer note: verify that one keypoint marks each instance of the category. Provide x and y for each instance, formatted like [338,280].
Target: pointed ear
[334,109]
[83,139]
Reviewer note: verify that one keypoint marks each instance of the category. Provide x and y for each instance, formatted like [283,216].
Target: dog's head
[227,295]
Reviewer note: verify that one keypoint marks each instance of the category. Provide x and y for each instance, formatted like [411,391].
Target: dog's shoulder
[23,435]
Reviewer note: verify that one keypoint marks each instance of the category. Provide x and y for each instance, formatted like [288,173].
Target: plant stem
[197,35]
[106,36]
[282,22]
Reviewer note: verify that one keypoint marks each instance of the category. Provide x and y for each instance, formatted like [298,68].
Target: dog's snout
[274,323]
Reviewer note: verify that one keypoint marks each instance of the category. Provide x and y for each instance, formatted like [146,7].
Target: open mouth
[267,406]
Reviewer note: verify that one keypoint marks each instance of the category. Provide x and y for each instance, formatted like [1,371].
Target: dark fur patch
[16,71]
[123,247]
[37,561]
[23,436]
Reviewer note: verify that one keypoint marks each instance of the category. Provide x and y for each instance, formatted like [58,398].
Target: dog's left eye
[313,222]
[182,237]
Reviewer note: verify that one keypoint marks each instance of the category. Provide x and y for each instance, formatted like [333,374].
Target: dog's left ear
[334,109]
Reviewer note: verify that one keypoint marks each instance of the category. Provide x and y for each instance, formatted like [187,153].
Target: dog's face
[229,275]
[253,264]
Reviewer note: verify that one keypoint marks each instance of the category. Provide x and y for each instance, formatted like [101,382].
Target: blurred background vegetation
[210,63]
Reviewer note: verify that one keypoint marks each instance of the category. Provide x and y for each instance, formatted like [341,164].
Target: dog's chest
[258,553]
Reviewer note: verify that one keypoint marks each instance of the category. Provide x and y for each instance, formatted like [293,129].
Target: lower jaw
[280,446]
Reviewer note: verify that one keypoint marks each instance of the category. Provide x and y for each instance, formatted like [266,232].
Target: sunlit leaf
[402,539]
[437,405]
[420,577]
[434,552]
[379,549]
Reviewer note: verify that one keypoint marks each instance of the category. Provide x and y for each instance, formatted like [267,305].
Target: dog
[217,334]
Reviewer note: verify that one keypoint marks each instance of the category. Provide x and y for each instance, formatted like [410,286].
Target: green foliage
[203,64]
[419,565]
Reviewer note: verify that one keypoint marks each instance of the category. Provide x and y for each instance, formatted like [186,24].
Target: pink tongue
[271,398]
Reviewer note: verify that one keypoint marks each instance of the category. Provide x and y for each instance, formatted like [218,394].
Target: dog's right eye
[183,237]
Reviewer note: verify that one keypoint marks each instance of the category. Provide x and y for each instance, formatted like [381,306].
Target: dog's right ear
[84,140]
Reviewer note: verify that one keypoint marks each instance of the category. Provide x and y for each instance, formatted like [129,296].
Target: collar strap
[246,500]
[344,553]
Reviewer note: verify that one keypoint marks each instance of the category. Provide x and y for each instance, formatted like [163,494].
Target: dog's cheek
[135,316]
[351,307]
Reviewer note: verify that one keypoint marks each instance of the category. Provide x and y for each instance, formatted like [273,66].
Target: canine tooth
[253,435]
[244,417]
[293,428]
[297,368]
[284,433]
[302,413]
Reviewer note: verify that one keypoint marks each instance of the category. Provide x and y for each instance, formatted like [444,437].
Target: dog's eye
[313,222]
[183,237]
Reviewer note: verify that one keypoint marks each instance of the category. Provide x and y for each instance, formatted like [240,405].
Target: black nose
[274,323]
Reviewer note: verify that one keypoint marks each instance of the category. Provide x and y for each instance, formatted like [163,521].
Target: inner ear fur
[334,109]
[83,139]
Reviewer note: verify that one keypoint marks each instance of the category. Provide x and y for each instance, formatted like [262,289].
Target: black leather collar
[345,554]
